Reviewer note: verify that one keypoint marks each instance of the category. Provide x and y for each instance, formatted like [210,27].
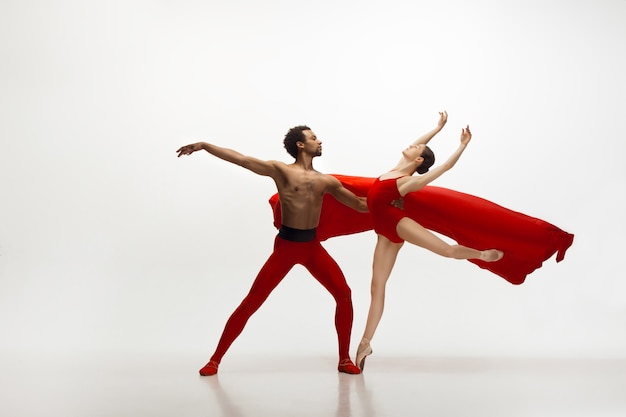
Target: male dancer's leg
[273,271]
[324,268]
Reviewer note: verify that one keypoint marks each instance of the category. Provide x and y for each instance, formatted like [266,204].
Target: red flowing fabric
[469,220]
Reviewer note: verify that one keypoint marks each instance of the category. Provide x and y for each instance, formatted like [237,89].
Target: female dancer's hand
[466,135]
[443,118]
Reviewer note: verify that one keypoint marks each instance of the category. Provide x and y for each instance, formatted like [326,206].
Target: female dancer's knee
[449,251]
[377,288]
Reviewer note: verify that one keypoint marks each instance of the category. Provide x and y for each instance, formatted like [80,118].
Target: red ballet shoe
[346,366]
[209,369]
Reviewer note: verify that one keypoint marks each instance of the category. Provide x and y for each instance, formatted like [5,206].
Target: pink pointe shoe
[346,366]
[209,369]
[491,255]
[363,352]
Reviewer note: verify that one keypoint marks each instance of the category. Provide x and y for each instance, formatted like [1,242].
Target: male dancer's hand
[399,203]
[189,149]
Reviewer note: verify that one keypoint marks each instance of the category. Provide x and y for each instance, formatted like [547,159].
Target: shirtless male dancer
[301,190]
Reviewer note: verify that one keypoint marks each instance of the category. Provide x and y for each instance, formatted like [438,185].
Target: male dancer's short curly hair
[294,135]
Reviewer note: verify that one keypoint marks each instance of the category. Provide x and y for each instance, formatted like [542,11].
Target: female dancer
[394,227]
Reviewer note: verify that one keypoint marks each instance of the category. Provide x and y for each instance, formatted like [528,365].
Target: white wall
[108,241]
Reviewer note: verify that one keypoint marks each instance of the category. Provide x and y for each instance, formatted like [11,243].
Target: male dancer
[300,189]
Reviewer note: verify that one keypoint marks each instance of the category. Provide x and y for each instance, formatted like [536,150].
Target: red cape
[471,221]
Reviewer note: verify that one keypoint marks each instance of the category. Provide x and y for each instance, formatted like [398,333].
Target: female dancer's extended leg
[411,231]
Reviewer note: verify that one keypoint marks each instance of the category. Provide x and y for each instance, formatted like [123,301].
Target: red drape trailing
[471,221]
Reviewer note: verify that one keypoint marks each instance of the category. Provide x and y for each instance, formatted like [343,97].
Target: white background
[108,242]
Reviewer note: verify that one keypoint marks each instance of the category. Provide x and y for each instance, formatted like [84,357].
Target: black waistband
[296,235]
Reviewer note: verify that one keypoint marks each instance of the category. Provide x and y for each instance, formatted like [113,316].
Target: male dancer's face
[312,145]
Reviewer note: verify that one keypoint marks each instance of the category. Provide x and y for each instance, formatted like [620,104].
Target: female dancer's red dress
[385,216]
[471,221]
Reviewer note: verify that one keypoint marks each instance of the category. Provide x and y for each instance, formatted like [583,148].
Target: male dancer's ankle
[209,369]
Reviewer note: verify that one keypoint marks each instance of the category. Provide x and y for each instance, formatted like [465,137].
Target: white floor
[132,385]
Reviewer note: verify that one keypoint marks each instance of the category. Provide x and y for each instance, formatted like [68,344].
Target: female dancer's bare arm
[426,137]
[414,183]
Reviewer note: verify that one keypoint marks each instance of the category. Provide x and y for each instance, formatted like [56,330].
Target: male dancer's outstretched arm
[258,166]
[271,168]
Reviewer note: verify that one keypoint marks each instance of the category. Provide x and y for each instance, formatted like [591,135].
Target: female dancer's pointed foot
[363,352]
[348,367]
[491,255]
[209,369]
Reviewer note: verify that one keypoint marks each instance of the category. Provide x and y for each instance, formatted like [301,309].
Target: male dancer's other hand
[398,203]
[189,149]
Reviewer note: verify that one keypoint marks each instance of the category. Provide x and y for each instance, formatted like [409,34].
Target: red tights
[286,254]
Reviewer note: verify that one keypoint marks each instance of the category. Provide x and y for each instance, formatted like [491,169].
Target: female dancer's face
[414,151]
